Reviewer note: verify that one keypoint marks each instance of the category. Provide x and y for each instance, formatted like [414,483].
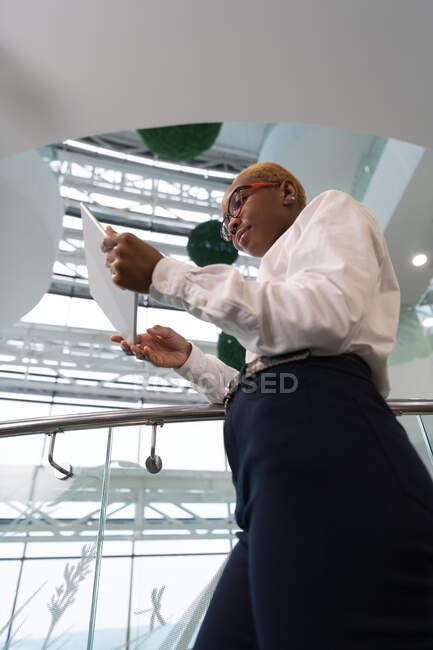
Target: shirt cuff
[194,361]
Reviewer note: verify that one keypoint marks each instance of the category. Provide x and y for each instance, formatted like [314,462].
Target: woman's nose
[234,225]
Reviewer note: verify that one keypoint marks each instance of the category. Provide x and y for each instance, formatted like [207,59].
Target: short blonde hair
[269,171]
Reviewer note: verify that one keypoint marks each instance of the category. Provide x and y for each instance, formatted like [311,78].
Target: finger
[138,349]
[117,279]
[144,339]
[116,338]
[109,259]
[151,356]
[116,275]
[139,352]
[146,354]
[126,348]
[109,242]
[160,330]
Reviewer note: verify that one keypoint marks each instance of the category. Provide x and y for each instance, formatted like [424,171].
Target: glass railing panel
[48,534]
[166,538]
[414,431]
[19,458]
[425,424]
[170,595]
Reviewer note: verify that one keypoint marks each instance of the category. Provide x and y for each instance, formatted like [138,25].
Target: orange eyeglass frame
[228,216]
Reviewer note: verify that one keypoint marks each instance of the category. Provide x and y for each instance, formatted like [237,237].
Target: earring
[293,198]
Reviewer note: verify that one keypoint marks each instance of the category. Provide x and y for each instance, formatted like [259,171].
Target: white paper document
[119,305]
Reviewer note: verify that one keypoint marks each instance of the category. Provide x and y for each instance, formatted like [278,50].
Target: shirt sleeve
[208,374]
[333,270]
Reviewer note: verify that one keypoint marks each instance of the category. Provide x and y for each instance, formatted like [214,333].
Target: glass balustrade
[167,536]
[48,539]
[419,428]
[113,557]
[116,557]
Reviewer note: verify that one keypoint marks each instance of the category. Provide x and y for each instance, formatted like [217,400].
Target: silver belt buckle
[261,363]
[230,389]
[255,366]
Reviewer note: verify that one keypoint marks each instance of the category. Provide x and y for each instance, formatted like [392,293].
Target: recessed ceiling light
[419,260]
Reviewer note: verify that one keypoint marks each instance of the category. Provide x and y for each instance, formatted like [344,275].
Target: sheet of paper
[119,305]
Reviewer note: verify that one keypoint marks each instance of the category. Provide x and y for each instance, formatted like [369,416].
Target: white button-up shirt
[327,284]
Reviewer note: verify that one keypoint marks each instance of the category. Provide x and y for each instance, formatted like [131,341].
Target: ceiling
[73,69]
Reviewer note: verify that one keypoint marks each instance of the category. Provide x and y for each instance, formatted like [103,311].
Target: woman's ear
[289,192]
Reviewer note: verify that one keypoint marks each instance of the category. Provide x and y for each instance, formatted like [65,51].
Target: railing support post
[67,473]
[153,462]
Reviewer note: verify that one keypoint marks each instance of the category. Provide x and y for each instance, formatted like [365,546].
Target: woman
[334,505]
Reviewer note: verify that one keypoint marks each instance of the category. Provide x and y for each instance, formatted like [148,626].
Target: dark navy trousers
[335,509]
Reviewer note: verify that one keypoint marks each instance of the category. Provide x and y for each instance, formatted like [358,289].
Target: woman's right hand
[161,346]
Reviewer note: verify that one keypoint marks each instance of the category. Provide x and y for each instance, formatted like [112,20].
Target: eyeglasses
[235,205]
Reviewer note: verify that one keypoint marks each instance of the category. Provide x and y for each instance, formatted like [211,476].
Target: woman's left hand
[130,259]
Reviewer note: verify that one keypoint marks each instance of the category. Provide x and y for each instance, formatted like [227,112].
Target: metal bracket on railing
[153,462]
[67,473]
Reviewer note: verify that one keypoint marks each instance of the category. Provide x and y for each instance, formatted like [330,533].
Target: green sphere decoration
[181,142]
[205,245]
[230,351]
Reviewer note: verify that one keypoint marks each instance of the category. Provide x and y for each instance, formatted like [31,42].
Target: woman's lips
[243,236]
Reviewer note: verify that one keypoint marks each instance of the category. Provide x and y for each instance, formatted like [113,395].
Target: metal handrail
[160,415]
[124,417]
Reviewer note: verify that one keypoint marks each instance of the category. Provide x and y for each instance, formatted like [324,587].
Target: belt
[261,363]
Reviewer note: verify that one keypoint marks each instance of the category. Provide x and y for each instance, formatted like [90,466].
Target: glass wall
[144,583]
